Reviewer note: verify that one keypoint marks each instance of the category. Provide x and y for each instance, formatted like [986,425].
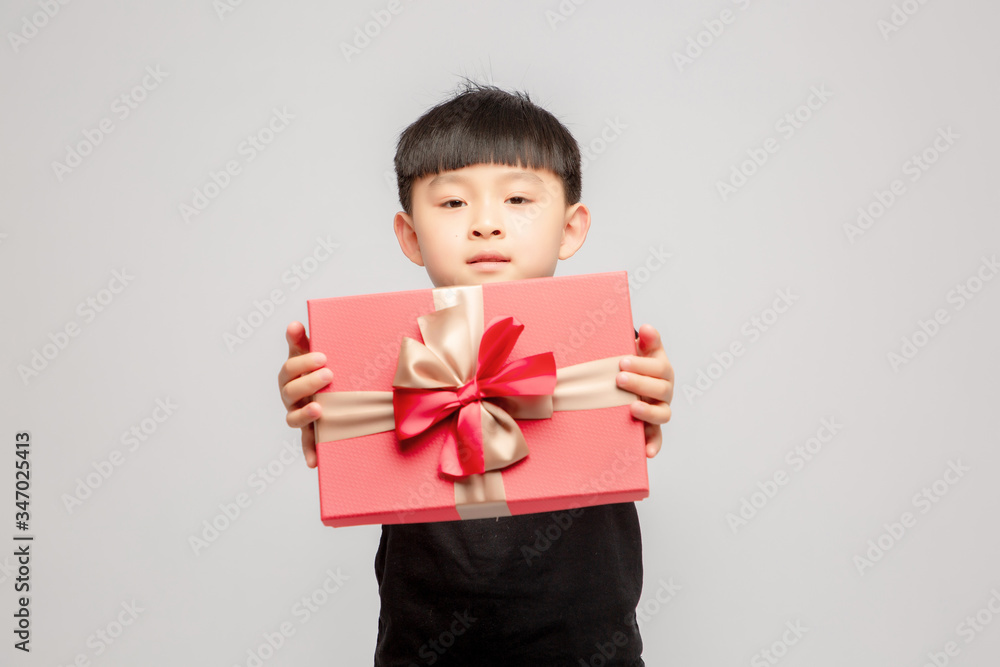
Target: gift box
[476,401]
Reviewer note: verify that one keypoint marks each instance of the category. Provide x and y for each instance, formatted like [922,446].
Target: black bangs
[486,125]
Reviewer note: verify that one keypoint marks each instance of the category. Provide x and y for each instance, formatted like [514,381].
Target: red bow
[418,409]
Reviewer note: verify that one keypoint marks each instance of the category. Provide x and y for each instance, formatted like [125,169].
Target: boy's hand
[651,377]
[298,380]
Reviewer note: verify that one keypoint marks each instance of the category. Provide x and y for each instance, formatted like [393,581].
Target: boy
[490,186]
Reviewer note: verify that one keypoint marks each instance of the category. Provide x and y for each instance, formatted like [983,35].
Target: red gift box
[505,401]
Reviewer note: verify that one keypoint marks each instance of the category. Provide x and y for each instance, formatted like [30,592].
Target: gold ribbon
[448,358]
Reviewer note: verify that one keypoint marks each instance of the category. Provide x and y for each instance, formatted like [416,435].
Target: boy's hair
[483,124]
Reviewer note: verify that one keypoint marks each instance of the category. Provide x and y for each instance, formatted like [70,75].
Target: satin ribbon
[431,384]
[460,367]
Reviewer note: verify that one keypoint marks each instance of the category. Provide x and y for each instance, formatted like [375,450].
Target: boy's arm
[650,375]
[301,376]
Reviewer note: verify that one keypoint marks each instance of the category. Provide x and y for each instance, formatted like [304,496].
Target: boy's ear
[402,224]
[575,228]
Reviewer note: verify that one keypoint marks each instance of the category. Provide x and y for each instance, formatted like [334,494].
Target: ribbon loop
[434,379]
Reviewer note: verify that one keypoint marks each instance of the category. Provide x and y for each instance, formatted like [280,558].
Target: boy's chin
[473,277]
[475,280]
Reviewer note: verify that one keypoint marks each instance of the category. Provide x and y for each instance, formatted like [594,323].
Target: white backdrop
[812,185]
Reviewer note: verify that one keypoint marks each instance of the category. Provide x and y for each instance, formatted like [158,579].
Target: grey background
[328,174]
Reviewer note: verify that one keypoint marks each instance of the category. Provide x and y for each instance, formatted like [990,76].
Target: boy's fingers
[654,440]
[296,390]
[304,416]
[298,342]
[309,446]
[651,413]
[650,341]
[300,365]
[657,367]
[650,389]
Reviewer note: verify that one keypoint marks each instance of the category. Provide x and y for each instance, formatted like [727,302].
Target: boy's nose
[487,231]
[487,226]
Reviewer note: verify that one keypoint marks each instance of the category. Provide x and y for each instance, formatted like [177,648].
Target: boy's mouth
[488,257]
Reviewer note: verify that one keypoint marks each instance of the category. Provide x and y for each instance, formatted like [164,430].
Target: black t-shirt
[546,589]
[535,589]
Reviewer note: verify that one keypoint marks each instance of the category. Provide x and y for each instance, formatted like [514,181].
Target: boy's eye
[456,203]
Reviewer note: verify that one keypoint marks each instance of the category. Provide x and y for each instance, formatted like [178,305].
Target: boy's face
[465,217]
